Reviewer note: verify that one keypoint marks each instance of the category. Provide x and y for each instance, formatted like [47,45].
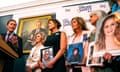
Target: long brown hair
[81,22]
[100,43]
[55,21]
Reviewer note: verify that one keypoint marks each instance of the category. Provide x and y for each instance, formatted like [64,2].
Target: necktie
[8,37]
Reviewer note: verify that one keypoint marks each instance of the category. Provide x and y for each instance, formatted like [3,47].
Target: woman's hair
[75,50]
[56,22]
[117,20]
[42,37]
[81,22]
[100,43]
[117,31]
[117,16]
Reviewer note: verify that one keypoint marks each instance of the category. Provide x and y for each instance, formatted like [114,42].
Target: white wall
[38,8]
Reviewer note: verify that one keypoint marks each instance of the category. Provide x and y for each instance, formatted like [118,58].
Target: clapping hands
[14,40]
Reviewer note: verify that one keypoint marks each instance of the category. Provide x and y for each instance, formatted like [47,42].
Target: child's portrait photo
[75,53]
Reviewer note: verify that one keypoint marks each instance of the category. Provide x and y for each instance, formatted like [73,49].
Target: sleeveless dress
[54,41]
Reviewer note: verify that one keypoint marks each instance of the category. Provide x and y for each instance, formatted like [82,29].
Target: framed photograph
[107,41]
[75,53]
[28,27]
[93,60]
[46,55]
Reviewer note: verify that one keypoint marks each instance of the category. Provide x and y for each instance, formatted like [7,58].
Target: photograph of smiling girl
[106,38]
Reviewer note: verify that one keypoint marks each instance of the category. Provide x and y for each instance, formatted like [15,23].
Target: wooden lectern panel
[6,49]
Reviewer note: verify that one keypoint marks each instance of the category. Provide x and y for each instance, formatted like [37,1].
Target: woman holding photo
[58,41]
[80,35]
[34,56]
[114,61]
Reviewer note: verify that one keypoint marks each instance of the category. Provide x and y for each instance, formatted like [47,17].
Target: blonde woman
[80,35]
[34,56]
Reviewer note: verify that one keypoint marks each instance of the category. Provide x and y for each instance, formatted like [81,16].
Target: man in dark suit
[14,41]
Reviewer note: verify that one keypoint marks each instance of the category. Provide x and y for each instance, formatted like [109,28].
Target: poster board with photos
[75,53]
[108,37]
[46,55]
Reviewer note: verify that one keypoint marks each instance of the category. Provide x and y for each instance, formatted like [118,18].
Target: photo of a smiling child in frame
[46,55]
[107,40]
[75,53]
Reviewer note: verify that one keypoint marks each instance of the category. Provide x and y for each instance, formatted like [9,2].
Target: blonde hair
[117,17]
[100,43]
[43,37]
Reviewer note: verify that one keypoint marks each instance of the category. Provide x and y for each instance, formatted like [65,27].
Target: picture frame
[46,55]
[95,61]
[26,27]
[78,58]
[92,58]
[111,45]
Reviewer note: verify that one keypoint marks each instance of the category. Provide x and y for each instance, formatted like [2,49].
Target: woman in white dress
[80,35]
[34,56]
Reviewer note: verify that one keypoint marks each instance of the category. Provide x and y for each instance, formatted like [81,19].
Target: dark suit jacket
[17,50]
[8,61]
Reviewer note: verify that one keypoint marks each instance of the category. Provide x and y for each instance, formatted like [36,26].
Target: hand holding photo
[46,55]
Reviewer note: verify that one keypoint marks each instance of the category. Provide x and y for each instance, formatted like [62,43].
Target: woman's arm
[63,47]
[85,52]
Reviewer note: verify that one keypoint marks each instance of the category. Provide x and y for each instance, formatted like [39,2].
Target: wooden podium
[4,48]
